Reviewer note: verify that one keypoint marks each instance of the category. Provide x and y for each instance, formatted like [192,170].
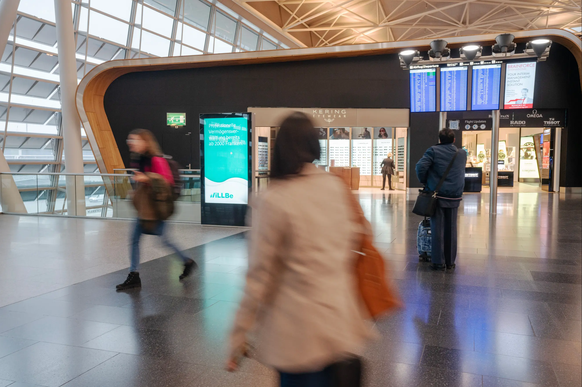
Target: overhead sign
[176,119]
[534,118]
[470,124]
[519,85]
[469,121]
[226,160]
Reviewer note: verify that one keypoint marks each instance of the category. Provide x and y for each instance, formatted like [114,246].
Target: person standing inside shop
[388,167]
[443,224]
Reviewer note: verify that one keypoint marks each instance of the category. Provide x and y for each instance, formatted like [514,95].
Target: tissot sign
[532,118]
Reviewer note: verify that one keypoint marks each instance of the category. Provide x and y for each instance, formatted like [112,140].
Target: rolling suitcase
[424,240]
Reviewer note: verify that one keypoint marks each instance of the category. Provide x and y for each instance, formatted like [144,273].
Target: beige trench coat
[300,291]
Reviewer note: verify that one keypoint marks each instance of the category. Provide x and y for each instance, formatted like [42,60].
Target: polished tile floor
[510,315]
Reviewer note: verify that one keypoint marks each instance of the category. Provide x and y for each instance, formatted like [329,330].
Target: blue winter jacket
[431,167]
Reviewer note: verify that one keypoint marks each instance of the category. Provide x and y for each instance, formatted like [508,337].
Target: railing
[97,195]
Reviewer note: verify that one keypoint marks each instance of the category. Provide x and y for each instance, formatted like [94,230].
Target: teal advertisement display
[226,154]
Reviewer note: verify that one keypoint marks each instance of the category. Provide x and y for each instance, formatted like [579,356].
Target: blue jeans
[307,379]
[159,231]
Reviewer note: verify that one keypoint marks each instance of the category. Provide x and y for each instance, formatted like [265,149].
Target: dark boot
[189,266]
[132,281]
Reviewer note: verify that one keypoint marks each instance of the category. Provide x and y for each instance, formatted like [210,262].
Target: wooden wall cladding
[100,78]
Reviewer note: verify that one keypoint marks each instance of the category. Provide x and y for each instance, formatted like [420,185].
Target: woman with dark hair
[152,173]
[300,295]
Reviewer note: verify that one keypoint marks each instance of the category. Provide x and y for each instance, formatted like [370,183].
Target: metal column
[10,198]
[442,120]
[71,122]
[494,163]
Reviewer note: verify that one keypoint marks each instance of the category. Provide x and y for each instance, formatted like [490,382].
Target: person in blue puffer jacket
[430,169]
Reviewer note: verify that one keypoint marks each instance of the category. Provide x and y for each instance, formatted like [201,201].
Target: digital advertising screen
[454,88]
[226,160]
[423,90]
[486,85]
[520,79]
[528,164]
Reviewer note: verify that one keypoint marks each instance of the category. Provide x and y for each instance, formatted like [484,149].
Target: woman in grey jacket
[300,293]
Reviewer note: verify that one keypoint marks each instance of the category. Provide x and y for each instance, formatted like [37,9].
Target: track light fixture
[504,45]
[438,50]
[539,48]
[408,57]
[471,51]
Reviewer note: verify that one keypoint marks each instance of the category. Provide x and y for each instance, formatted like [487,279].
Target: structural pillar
[71,124]
[442,120]
[10,199]
[494,163]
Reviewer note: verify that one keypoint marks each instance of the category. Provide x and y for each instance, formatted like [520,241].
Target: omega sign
[536,118]
[329,115]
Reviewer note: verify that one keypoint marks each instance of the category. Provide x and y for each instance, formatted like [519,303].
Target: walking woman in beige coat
[300,297]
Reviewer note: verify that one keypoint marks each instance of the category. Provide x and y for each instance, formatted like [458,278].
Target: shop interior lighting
[539,48]
[504,45]
[438,50]
[471,51]
[408,57]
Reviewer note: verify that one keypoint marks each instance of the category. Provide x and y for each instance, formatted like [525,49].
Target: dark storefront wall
[141,100]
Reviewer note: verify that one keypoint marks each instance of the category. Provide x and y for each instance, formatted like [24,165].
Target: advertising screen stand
[226,166]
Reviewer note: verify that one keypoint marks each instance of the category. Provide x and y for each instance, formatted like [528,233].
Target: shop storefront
[529,143]
[351,138]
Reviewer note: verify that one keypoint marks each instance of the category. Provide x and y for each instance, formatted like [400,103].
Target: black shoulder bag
[427,200]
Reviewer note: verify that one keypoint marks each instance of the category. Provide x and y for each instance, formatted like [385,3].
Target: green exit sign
[176,119]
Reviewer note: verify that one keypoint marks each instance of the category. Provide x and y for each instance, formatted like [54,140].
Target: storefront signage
[533,118]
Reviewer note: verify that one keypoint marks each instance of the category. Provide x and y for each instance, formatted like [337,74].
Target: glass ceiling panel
[166,6]
[197,13]
[107,28]
[194,37]
[225,27]
[27,28]
[268,45]
[155,44]
[117,8]
[249,39]
[157,22]
[42,9]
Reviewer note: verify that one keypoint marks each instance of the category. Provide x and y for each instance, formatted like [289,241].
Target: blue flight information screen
[485,89]
[423,90]
[453,89]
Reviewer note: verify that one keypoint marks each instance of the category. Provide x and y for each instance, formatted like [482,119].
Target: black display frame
[221,214]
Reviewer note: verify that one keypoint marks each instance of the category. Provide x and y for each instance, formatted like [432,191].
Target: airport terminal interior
[213,81]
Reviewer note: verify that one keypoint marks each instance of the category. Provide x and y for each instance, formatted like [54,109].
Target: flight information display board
[486,85]
[423,90]
[453,88]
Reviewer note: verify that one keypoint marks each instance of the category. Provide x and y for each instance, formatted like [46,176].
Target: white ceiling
[315,23]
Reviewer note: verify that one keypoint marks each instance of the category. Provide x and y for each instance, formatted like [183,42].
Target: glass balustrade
[95,195]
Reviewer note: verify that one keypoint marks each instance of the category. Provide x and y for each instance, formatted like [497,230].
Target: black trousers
[384,180]
[443,226]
